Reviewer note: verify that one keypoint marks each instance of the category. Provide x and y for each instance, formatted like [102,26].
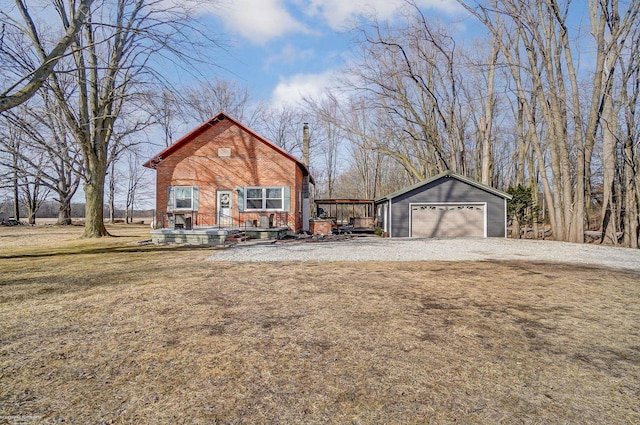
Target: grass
[106,331]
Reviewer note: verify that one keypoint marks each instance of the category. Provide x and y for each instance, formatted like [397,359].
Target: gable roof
[446,174]
[211,122]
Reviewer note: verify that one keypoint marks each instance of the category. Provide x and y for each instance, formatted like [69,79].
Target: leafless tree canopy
[516,110]
[98,86]
[31,61]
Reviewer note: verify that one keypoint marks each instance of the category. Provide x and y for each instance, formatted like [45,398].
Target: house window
[265,198]
[182,198]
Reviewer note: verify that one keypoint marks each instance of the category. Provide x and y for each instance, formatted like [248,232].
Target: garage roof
[446,174]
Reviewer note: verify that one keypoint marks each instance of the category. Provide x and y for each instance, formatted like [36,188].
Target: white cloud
[289,54]
[339,14]
[291,90]
[261,21]
[447,6]
[258,21]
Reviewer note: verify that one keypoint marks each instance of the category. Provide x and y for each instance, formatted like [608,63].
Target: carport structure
[445,206]
[356,213]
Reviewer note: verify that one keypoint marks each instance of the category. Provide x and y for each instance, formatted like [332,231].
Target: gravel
[405,249]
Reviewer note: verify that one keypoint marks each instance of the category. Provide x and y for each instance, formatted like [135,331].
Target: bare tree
[33,193]
[110,55]
[328,140]
[486,122]
[208,98]
[126,138]
[410,74]
[368,142]
[366,175]
[135,178]
[283,126]
[12,140]
[30,76]
[26,167]
[45,136]
[616,32]
[5,201]
[164,108]
[541,29]
[630,139]
[365,160]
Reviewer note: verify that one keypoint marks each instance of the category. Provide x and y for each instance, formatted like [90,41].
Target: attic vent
[224,152]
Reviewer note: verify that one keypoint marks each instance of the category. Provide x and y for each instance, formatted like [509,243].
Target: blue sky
[281,49]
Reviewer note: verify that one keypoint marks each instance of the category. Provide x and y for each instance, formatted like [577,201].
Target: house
[444,206]
[225,175]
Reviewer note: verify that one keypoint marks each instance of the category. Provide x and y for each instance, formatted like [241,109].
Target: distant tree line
[49,209]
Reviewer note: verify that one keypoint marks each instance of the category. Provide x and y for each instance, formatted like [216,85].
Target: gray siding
[447,189]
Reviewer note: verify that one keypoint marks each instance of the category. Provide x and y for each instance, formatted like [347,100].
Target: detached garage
[445,206]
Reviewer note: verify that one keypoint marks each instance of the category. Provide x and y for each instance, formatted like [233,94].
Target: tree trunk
[632,204]
[112,193]
[487,122]
[65,193]
[515,227]
[133,195]
[608,227]
[533,184]
[64,212]
[16,192]
[94,206]
[630,93]
[126,214]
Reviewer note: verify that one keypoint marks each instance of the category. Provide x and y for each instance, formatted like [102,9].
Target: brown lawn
[111,332]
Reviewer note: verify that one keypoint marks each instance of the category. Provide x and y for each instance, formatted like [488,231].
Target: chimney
[306,202]
[305,143]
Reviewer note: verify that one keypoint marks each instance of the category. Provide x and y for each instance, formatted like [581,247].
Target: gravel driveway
[401,249]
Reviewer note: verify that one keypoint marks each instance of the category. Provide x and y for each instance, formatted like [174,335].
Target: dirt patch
[110,333]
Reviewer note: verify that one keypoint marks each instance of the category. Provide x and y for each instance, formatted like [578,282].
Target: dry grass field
[106,331]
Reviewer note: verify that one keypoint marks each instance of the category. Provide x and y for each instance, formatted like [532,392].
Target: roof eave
[449,174]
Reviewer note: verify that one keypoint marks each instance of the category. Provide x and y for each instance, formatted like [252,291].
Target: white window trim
[264,198]
[175,199]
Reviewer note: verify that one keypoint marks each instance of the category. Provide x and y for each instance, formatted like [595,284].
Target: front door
[224,214]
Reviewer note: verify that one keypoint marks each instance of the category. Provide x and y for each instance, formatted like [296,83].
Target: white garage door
[447,221]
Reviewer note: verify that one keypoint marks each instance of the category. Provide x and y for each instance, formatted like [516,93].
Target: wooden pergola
[345,211]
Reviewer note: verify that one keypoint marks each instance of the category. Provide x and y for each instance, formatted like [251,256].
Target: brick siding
[251,163]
